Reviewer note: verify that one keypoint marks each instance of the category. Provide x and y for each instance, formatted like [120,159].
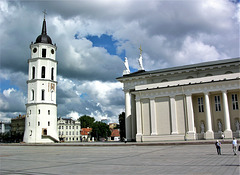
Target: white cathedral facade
[41,118]
[199,101]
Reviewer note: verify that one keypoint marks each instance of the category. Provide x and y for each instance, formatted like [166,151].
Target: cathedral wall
[146,116]
[163,115]
[180,114]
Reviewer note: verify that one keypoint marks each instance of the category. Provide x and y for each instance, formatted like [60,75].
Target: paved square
[171,159]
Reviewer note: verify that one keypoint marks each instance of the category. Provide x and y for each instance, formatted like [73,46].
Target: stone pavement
[126,159]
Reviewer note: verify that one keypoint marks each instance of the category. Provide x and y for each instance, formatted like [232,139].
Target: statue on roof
[127,70]
[140,60]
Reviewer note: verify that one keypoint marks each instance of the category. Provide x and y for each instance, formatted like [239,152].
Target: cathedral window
[43,72]
[33,72]
[200,104]
[44,51]
[217,103]
[234,102]
[52,74]
[43,94]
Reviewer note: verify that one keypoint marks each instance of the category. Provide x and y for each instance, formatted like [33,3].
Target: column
[133,116]
[139,120]
[173,115]
[209,132]
[153,116]
[227,131]
[128,116]
[191,134]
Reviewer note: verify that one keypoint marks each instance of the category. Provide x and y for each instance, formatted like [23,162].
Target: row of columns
[189,113]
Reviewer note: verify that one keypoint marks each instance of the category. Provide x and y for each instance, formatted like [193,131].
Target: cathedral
[41,118]
[191,102]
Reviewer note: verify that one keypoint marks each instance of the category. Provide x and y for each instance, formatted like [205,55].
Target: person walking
[218,146]
[234,146]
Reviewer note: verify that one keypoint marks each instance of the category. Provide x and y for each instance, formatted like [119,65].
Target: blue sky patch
[6,84]
[105,41]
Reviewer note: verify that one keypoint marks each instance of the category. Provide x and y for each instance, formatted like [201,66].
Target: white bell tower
[41,118]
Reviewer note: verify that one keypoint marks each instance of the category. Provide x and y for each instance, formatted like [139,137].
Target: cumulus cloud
[12,100]
[171,33]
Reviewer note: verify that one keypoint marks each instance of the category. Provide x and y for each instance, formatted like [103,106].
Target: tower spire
[44,27]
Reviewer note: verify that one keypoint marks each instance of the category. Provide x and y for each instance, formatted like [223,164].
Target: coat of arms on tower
[51,87]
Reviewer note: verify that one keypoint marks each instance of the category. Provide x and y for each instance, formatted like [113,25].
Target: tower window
[43,94]
[32,94]
[48,123]
[33,72]
[39,111]
[48,112]
[52,72]
[43,72]
[38,123]
[44,51]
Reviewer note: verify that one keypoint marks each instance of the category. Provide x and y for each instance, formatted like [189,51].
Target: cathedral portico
[202,107]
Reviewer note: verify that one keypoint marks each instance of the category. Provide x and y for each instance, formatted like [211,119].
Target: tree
[121,119]
[100,129]
[86,121]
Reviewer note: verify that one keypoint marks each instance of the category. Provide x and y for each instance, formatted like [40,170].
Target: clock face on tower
[35,50]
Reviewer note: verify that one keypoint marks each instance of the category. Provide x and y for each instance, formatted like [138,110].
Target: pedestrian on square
[218,146]
[234,146]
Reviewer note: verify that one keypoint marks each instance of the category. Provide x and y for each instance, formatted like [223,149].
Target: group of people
[234,146]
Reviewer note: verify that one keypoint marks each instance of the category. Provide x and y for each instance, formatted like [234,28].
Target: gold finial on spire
[140,50]
[44,12]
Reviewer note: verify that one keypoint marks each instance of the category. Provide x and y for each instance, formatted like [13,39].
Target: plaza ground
[197,159]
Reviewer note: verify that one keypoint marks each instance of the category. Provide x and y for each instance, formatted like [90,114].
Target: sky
[93,37]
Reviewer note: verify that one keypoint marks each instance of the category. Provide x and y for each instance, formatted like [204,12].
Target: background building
[5,127]
[199,101]
[69,130]
[18,128]
[86,134]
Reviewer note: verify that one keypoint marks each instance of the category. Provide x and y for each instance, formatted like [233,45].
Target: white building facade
[199,101]
[41,118]
[69,130]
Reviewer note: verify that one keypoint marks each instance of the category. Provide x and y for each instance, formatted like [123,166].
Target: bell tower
[41,118]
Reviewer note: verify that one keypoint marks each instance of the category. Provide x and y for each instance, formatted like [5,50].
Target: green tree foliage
[86,121]
[121,119]
[100,130]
